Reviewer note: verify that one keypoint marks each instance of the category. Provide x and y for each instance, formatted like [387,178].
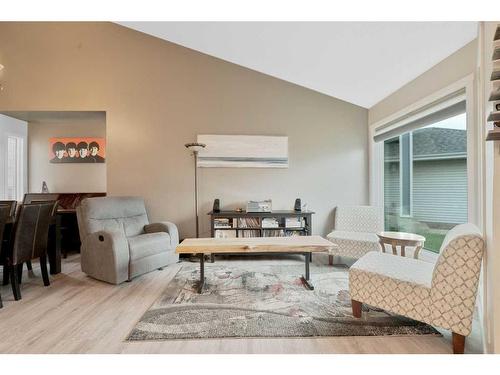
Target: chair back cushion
[368,219]
[40,197]
[4,216]
[455,278]
[31,231]
[12,204]
[123,214]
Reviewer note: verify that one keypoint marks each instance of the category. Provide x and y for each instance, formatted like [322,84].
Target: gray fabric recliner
[119,243]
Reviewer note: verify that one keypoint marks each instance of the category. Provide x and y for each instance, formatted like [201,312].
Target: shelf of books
[232,224]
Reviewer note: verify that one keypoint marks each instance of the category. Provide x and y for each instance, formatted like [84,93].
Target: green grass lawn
[433,240]
[433,237]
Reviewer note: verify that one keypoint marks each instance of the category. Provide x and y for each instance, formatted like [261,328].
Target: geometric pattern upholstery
[353,244]
[356,229]
[368,219]
[455,282]
[442,295]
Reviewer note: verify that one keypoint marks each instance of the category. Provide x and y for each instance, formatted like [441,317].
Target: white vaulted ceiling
[359,62]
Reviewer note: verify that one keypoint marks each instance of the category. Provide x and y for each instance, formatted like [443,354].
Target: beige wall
[450,70]
[63,178]
[159,96]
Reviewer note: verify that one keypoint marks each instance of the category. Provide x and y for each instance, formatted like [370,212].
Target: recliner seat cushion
[145,245]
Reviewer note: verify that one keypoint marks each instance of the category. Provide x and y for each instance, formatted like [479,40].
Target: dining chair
[41,198]
[12,205]
[29,241]
[4,216]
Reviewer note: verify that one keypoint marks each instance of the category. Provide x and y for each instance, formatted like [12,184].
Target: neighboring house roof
[432,143]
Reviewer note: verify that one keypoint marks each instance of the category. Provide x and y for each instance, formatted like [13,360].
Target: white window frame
[10,127]
[475,168]
[401,176]
[20,169]
[474,148]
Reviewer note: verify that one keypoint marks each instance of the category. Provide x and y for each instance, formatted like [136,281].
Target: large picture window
[13,158]
[425,179]
[14,168]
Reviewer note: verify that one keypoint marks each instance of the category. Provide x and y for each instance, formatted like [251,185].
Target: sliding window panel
[425,180]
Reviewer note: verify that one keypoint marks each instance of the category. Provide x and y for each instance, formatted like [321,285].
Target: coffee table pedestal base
[200,284]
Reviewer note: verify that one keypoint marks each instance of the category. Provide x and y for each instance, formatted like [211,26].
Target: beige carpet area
[259,299]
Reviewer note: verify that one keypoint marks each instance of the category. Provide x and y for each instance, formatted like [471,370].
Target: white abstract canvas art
[243,151]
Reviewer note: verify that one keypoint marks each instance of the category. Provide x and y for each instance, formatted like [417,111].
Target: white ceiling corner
[359,62]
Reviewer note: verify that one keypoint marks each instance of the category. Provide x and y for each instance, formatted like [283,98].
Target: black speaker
[216,205]
[298,205]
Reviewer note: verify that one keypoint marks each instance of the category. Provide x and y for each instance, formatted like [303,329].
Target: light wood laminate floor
[77,314]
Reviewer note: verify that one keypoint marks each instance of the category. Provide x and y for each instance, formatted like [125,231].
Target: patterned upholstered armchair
[355,232]
[442,295]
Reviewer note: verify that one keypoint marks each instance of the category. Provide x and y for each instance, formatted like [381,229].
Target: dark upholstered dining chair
[29,241]
[4,216]
[40,197]
[12,205]
[4,239]
[30,198]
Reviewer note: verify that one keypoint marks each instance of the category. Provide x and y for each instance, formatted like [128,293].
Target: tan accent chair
[442,295]
[355,232]
[119,243]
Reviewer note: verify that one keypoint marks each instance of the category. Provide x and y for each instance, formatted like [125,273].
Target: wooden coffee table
[305,245]
[402,240]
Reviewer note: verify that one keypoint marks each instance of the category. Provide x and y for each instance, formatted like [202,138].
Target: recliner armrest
[107,237]
[105,256]
[164,226]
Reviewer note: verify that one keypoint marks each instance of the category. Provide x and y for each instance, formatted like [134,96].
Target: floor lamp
[195,148]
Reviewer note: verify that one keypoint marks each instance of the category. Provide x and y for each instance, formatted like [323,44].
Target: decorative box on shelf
[260,206]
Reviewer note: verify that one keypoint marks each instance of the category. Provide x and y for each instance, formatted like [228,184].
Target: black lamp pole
[195,148]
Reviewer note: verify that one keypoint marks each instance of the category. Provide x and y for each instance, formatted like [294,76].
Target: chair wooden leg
[29,266]
[14,282]
[330,260]
[1,304]
[356,308]
[458,343]
[5,275]
[19,271]
[45,272]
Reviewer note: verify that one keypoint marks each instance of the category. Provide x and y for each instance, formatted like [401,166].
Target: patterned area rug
[254,299]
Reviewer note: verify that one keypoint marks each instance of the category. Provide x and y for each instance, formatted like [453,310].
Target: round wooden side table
[402,240]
